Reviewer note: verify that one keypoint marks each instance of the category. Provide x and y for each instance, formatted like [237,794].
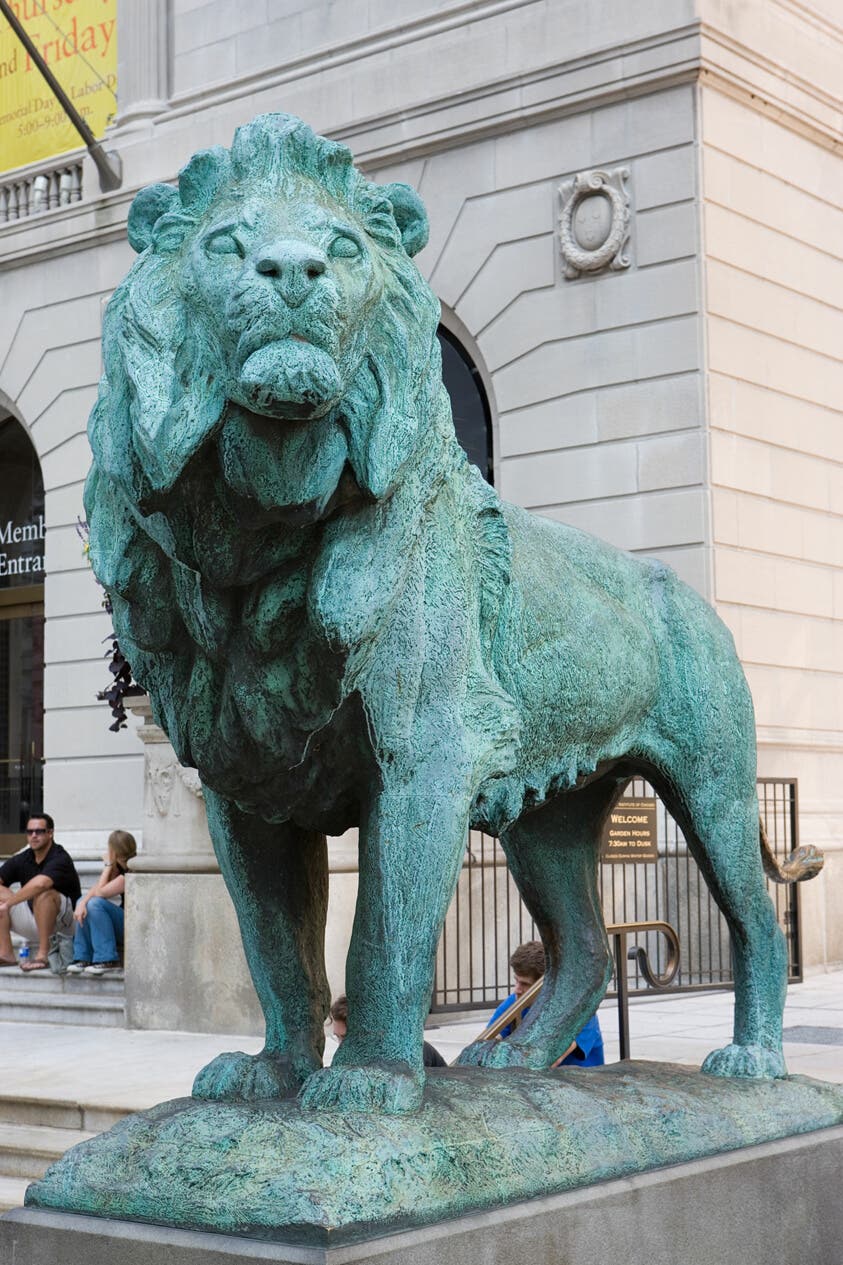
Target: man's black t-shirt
[57,865]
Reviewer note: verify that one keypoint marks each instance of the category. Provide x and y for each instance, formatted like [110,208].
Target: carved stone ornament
[190,781]
[594,221]
[161,781]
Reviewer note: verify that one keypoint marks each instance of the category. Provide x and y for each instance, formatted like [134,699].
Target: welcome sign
[78,41]
[631,832]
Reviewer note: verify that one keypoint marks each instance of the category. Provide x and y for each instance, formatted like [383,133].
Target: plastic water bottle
[23,955]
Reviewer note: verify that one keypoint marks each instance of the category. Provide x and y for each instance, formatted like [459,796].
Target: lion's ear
[410,216]
[145,212]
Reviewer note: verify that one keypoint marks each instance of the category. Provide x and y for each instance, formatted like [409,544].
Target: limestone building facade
[679,395]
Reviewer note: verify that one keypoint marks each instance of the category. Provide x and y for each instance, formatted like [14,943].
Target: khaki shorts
[23,922]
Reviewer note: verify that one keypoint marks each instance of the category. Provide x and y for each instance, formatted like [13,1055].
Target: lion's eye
[344,248]
[224,244]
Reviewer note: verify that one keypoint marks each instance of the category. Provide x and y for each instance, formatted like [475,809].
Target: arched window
[470,407]
[21,632]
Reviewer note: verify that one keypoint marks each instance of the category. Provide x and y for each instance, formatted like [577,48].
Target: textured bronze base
[482,1140]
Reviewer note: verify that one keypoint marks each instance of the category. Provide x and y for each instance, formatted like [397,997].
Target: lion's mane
[246,558]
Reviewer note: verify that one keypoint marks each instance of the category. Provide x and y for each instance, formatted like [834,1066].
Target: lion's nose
[295,267]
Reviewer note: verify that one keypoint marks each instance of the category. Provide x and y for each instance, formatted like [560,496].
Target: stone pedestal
[185,967]
[540,1168]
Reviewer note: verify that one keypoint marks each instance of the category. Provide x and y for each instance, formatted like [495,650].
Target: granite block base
[482,1140]
[775,1202]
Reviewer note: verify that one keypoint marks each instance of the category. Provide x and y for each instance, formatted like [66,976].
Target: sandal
[37,964]
[8,961]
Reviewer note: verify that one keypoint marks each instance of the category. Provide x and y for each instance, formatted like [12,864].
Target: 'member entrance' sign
[78,41]
[630,833]
[22,548]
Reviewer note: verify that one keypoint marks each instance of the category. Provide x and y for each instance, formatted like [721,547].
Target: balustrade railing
[37,190]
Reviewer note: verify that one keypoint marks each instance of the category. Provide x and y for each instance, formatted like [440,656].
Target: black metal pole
[108,165]
[623,992]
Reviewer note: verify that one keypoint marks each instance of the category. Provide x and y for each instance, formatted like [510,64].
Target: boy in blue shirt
[528,965]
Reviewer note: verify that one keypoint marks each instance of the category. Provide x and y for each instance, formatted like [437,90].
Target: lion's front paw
[475,1055]
[500,1054]
[753,1061]
[395,1089]
[239,1076]
[491,1054]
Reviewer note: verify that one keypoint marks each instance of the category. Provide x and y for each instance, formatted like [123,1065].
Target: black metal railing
[488,919]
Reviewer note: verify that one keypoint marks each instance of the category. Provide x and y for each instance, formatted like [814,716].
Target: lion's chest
[285,679]
[257,708]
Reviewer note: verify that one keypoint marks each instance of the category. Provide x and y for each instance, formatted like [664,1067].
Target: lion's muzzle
[284,312]
[294,268]
[289,378]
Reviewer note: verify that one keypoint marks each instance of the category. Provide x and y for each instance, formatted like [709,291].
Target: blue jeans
[97,938]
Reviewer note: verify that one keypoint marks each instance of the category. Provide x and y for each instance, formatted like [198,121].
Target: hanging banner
[78,41]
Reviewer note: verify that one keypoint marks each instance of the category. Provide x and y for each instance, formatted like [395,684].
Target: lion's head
[270,422]
[274,298]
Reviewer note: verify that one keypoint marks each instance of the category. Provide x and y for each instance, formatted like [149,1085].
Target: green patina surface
[274,1170]
[340,624]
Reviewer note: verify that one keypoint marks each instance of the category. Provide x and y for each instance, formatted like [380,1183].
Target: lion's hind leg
[553,857]
[277,876]
[723,838]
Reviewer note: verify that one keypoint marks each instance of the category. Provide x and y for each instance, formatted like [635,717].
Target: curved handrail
[639,954]
[513,1015]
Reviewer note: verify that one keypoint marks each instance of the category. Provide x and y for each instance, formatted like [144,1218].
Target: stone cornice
[826,740]
[765,87]
[694,51]
[611,74]
[383,40]
[810,17]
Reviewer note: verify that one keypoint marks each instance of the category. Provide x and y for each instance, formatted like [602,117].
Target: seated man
[528,965]
[339,1026]
[44,903]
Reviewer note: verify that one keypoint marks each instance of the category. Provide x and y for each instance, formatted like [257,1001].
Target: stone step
[38,1006]
[12,1191]
[41,997]
[13,980]
[60,1114]
[28,1150]
[34,1133]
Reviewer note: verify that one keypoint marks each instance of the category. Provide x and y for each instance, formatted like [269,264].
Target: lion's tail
[804,863]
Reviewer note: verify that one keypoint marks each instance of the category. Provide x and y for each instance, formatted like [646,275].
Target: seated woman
[99,930]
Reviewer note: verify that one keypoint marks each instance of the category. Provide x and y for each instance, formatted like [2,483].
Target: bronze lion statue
[340,624]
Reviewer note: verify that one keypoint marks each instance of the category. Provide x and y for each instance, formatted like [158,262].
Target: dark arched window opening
[21,632]
[469,404]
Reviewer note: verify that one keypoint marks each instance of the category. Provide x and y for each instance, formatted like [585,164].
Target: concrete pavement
[131,1070]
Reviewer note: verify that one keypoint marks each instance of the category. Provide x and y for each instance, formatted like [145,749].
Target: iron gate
[488,919]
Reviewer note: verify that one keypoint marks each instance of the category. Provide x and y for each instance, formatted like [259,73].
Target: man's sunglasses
[37,830]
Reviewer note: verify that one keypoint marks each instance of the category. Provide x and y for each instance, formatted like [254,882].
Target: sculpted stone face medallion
[592,221]
[340,624]
[162,779]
